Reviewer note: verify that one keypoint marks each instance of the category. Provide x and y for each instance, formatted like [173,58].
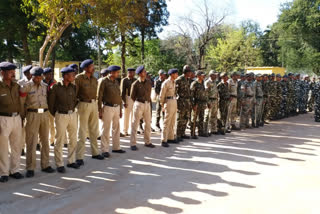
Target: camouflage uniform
[158,106]
[259,103]
[317,102]
[239,98]
[299,92]
[184,104]
[284,102]
[233,90]
[247,94]
[199,99]
[224,102]
[275,93]
[265,88]
[210,122]
[306,90]
[311,98]
[291,97]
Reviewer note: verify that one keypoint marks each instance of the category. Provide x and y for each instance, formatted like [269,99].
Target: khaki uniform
[110,104]
[52,130]
[10,129]
[62,102]
[233,90]
[37,117]
[87,114]
[22,82]
[141,95]
[125,95]
[169,102]
[211,114]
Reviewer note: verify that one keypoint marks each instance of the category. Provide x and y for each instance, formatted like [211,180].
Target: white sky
[265,12]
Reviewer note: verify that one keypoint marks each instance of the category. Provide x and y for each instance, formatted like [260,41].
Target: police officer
[141,96]
[37,117]
[259,100]
[183,102]
[50,81]
[169,105]
[125,87]
[233,91]
[224,102]
[247,92]
[110,110]
[10,124]
[87,107]
[157,89]
[62,103]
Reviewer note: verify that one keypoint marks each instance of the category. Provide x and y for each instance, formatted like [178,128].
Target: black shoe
[61,169]
[98,157]
[99,138]
[164,144]
[119,151]
[127,134]
[209,134]
[65,145]
[228,131]
[150,145]
[203,135]
[73,165]
[122,135]
[179,139]
[23,153]
[106,154]
[88,139]
[153,130]
[159,128]
[30,173]
[172,141]
[138,132]
[49,169]
[80,162]
[4,179]
[185,137]
[266,122]
[215,133]
[134,148]
[194,137]
[52,144]
[38,147]
[16,175]
[233,127]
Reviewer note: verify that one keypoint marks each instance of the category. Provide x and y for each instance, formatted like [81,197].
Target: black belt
[111,105]
[66,112]
[234,96]
[40,110]
[249,96]
[184,98]
[259,97]
[200,101]
[88,101]
[170,98]
[212,98]
[13,114]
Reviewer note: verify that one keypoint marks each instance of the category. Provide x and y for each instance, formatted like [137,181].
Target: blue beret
[273,75]
[6,66]
[131,69]
[139,69]
[86,63]
[47,70]
[74,66]
[278,75]
[36,71]
[114,68]
[66,70]
[172,71]
[104,71]
[285,76]
[26,68]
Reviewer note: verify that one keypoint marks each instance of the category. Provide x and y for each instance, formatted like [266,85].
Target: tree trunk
[142,45]
[123,53]
[10,50]
[53,58]
[99,49]
[25,46]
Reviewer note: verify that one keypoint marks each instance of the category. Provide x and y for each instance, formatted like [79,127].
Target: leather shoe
[73,165]
[23,153]
[4,179]
[164,144]
[149,145]
[106,154]
[173,141]
[119,151]
[194,137]
[61,169]
[203,135]
[49,169]
[30,173]
[80,162]
[185,137]
[16,175]
[65,145]
[122,135]
[179,139]
[134,148]
[98,157]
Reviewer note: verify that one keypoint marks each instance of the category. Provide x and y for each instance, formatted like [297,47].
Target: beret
[74,66]
[104,71]
[162,72]
[26,68]
[114,68]
[36,71]
[131,69]
[212,72]
[139,69]
[172,71]
[290,74]
[242,75]
[285,76]
[199,73]
[278,75]
[6,66]
[47,70]
[66,70]
[273,75]
[186,69]
[86,63]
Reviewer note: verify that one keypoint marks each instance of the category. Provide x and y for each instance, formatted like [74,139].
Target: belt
[13,114]
[249,96]
[212,98]
[144,101]
[111,105]
[88,101]
[66,112]
[171,98]
[39,110]
[184,98]
[235,96]
[260,97]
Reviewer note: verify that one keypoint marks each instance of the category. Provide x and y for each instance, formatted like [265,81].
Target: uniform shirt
[168,89]
[157,89]
[86,87]
[62,98]
[141,91]
[247,89]
[275,89]
[259,90]
[233,87]
[211,88]
[109,92]
[9,97]
[125,86]
[223,89]
[182,88]
[36,96]
[198,93]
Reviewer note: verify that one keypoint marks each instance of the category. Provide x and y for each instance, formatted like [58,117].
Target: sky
[265,12]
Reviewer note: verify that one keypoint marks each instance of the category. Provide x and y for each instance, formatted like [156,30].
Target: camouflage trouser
[233,116]
[238,106]
[257,111]
[317,110]
[158,113]
[311,103]
[265,114]
[283,107]
[294,104]
[246,111]
[211,116]
[301,103]
[289,105]
[223,107]
[198,118]
[274,106]
[183,115]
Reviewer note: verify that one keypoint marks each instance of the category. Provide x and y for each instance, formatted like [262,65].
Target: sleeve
[123,90]
[133,92]
[77,83]
[158,87]
[192,91]
[52,100]
[23,92]
[163,93]
[100,92]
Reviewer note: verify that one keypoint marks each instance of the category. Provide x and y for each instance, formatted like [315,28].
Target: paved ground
[270,170]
